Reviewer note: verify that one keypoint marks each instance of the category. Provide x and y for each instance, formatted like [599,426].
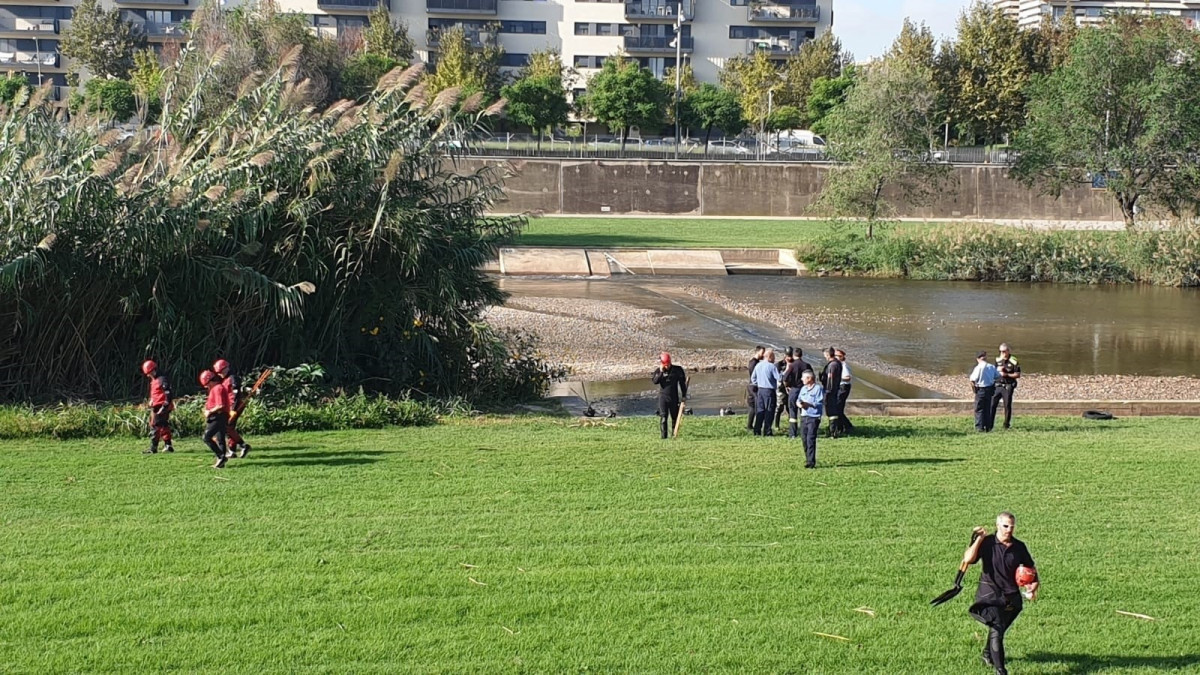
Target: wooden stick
[679,418]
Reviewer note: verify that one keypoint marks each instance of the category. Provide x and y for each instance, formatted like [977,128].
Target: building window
[582,28]
[604,29]
[514,60]
[529,27]
[584,61]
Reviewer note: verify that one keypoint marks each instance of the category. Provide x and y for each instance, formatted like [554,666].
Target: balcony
[468,7]
[657,44]
[353,5]
[665,10]
[477,39]
[159,30]
[29,26]
[151,2]
[30,60]
[771,12]
[775,47]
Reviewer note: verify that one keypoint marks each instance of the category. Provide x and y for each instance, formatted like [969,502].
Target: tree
[785,117]
[821,57]
[147,81]
[538,102]
[992,73]
[113,99]
[751,79]
[11,85]
[473,69]
[946,82]
[386,38]
[1122,111]
[827,94]
[363,71]
[101,41]
[914,45]
[624,95]
[882,136]
[711,106]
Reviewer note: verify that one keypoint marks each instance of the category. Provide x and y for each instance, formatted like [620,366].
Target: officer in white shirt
[983,383]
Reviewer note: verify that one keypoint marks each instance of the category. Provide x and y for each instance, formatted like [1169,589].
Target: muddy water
[934,327]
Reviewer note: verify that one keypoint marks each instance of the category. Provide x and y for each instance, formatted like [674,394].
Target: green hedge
[81,420]
[1169,257]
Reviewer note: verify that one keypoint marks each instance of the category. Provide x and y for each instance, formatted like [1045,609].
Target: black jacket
[672,384]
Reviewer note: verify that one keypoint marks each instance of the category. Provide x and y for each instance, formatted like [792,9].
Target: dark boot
[664,424]
[153,446]
[996,649]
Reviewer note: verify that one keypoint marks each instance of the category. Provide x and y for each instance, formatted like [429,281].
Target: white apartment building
[585,32]
[1028,13]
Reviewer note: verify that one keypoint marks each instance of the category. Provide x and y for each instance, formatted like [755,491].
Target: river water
[933,326]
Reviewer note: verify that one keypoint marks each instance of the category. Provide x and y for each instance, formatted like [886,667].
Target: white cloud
[868,27]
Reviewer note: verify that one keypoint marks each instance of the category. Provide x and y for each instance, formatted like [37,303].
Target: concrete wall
[780,190]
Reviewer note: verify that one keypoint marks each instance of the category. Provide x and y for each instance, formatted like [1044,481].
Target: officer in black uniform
[751,390]
[672,391]
[1010,372]
[831,379]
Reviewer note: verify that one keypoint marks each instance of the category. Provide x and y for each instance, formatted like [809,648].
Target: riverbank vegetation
[485,545]
[1167,257]
[261,229]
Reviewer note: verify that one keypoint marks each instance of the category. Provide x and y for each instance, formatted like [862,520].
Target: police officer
[751,390]
[792,381]
[831,379]
[843,392]
[672,391]
[983,383]
[1010,372]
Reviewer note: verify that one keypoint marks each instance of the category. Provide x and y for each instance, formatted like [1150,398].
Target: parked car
[727,148]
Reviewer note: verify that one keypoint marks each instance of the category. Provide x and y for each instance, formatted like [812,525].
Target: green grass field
[530,545]
[670,232]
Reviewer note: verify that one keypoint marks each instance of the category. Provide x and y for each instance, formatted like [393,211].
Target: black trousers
[844,425]
[764,410]
[998,612]
[810,425]
[793,412]
[668,409]
[214,434]
[752,403]
[983,408]
[1004,394]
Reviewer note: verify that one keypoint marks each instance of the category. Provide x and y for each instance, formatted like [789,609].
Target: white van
[797,141]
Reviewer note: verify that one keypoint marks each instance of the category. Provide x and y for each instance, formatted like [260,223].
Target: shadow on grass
[904,461]
[326,461]
[872,431]
[1078,664]
[269,453]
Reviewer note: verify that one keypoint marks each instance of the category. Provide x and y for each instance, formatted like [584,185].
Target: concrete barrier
[930,407]
[546,261]
[690,263]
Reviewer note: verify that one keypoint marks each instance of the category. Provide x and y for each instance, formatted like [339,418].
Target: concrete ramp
[544,261]
[690,263]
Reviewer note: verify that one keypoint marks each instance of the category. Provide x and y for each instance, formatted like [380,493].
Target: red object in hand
[1026,575]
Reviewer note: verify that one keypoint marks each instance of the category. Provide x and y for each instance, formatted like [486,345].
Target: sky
[867,27]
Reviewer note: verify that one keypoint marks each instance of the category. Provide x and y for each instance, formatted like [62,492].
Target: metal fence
[719,149]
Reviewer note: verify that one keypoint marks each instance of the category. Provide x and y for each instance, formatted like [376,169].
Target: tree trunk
[707,136]
[1128,202]
[539,141]
[874,210]
[624,132]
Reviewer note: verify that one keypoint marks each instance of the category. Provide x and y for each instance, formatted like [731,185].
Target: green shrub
[1165,257]
[82,420]
[111,97]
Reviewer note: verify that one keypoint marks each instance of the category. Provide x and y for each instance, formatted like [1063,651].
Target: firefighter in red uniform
[161,405]
[231,384]
[216,414]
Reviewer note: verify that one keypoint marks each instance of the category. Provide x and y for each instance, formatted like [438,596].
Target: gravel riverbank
[605,340]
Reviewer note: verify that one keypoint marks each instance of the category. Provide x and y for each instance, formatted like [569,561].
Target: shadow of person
[867,430]
[1078,664]
[914,461]
[326,461]
[269,453]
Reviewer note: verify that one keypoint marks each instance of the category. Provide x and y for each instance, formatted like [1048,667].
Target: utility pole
[678,71]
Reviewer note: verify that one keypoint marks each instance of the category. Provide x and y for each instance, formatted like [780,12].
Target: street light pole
[678,71]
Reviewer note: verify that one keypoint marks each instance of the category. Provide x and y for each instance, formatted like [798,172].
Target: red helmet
[665,358]
[1025,575]
[220,366]
[206,377]
[149,367]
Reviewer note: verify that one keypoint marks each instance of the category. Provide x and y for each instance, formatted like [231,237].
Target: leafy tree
[1125,106]
[827,94]
[820,57]
[785,117]
[11,85]
[386,38]
[459,64]
[882,135]
[687,84]
[114,99]
[101,41]
[992,73]
[751,79]
[946,81]
[363,71]
[915,45]
[538,102]
[624,95]
[147,81]
[711,106]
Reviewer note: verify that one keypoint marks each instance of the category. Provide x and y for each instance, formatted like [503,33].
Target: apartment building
[1028,13]
[585,32]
